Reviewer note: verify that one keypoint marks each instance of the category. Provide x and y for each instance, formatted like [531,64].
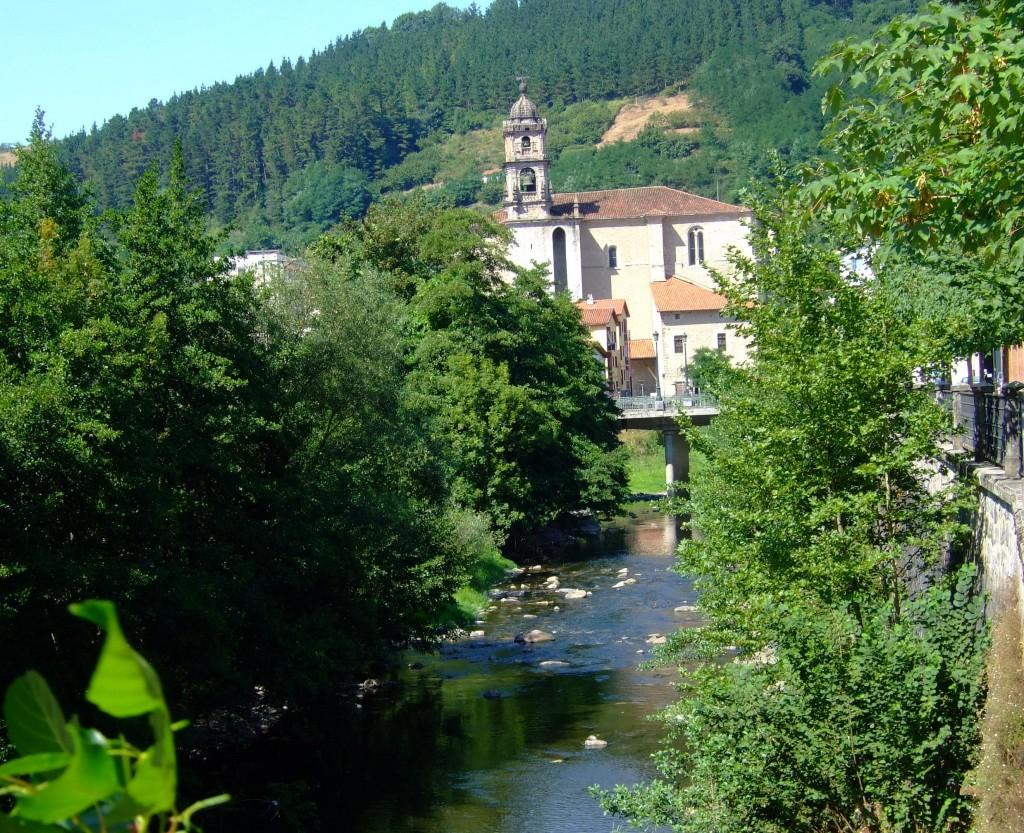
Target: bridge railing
[988,424]
[671,404]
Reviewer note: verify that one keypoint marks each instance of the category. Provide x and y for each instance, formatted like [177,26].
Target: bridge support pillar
[677,459]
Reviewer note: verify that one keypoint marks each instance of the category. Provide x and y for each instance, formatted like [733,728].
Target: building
[608,322]
[687,318]
[266,265]
[633,244]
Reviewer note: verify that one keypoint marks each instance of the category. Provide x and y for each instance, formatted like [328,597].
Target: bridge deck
[646,412]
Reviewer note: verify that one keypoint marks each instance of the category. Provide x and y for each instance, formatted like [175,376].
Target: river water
[480,737]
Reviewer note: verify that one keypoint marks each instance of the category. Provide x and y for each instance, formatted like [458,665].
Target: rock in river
[594,742]
[573,593]
[531,637]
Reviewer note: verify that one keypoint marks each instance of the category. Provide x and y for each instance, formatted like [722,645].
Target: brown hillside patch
[7,159]
[632,118]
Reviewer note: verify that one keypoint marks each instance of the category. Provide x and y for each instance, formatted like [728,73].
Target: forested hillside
[299,145]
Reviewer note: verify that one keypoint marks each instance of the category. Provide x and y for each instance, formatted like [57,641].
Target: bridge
[657,414]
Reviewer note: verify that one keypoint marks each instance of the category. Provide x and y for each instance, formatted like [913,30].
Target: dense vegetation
[290,149]
[271,485]
[854,702]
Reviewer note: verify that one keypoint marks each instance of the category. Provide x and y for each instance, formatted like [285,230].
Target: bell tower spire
[527,187]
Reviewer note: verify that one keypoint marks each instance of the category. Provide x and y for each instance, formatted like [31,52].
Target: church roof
[641,348]
[678,295]
[634,203]
[524,109]
[649,201]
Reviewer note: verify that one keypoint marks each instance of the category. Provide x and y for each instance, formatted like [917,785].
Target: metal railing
[670,404]
[988,425]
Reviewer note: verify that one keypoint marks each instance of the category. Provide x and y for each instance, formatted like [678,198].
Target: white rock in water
[593,742]
[623,572]
[624,583]
[686,609]
[533,636]
[556,608]
[536,568]
[510,600]
[553,663]
[656,639]
[476,634]
[574,594]
[529,615]
[551,584]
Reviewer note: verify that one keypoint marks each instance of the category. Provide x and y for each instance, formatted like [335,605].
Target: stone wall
[998,524]
[999,537]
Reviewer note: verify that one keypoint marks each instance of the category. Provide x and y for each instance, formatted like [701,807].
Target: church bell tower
[527,188]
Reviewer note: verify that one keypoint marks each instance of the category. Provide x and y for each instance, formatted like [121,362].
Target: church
[650,247]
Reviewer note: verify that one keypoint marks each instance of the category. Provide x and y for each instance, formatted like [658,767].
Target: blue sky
[82,61]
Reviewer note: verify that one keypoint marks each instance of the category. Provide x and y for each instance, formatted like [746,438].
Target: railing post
[1012,434]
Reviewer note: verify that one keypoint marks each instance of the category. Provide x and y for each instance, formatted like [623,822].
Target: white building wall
[533,245]
[701,330]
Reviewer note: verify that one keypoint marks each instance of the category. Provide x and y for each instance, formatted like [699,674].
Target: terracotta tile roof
[628,203]
[641,348]
[617,304]
[595,316]
[677,295]
[650,201]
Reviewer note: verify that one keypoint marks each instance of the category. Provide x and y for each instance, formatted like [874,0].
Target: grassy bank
[647,460]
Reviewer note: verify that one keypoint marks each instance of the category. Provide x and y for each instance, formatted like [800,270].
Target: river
[480,737]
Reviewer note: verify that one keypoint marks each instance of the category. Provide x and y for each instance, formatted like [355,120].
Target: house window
[613,257]
[526,144]
[675,316]
[721,342]
[679,343]
[695,243]
[528,181]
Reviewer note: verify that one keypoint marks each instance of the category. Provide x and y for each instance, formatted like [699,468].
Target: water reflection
[480,736]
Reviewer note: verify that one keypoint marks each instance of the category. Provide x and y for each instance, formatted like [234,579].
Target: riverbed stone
[534,636]
[510,600]
[536,568]
[573,593]
[656,639]
[594,742]
[476,634]
[623,572]
[624,583]
[686,609]
[554,663]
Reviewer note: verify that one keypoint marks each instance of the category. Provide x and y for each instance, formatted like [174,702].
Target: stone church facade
[623,244]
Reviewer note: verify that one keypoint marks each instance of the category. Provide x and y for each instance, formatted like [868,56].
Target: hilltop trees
[368,100]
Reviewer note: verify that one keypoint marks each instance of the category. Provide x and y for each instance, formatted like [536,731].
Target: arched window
[526,144]
[558,264]
[528,181]
[613,257]
[695,243]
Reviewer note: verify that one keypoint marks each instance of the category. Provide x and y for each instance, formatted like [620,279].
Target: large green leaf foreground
[68,775]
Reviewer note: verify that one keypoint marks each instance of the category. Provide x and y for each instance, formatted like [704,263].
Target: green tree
[500,369]
[818,532]
[710,369]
